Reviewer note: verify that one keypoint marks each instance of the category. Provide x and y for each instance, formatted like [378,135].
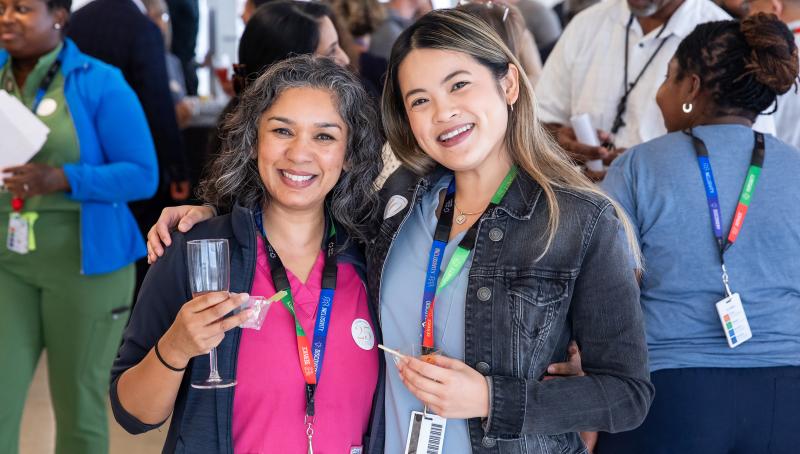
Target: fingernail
[551,369]
[182,226]
[244,297]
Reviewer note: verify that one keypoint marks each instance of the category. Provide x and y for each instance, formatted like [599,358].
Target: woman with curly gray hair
[300,154]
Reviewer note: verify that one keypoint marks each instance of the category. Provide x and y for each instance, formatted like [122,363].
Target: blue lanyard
[280,280]
[712,195]
[459,259]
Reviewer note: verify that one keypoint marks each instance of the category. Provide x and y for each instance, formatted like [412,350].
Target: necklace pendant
[310,448]
[461,219]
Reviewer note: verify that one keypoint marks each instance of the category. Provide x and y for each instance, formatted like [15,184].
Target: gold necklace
[462,215]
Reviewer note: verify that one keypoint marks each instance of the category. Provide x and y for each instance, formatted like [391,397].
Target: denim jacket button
[495,234]
[483,368]
[484,293]
[488,442]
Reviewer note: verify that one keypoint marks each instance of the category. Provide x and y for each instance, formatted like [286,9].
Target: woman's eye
[459,85]
[325,137]
[282,132]
[418,102]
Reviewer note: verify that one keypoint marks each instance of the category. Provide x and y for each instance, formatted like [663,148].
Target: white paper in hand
[585,133]
[22,132]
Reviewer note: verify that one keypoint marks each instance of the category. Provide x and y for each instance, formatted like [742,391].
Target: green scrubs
[47,303]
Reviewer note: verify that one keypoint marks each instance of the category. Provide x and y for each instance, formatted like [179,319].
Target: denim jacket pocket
[535,300]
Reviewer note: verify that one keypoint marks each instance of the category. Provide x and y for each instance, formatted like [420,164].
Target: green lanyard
[433,284]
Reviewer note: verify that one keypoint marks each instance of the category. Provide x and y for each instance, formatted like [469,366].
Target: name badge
[17,240]
[425,434]
[734,321]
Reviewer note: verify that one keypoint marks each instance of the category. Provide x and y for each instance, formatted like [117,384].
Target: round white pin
[362,334]
[46,107]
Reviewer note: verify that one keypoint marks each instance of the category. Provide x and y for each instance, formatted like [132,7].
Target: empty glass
[209,271]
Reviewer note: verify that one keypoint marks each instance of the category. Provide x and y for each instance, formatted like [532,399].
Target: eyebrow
[448,77]
[316,125]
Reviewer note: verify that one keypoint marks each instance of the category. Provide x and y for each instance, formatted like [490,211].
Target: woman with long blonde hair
[522,253]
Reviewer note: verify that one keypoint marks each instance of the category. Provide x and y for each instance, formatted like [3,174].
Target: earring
[511,106]
[687,107]
[57,26]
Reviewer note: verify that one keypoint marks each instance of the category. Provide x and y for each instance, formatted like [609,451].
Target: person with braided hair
[721,304]
[788,113]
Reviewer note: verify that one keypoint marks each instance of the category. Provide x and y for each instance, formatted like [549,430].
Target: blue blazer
[117,160]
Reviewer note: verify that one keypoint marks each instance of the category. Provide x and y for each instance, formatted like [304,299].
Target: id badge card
[425,433]
[17,239]
[734,321]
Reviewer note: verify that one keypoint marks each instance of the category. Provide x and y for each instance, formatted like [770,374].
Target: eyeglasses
[488,4]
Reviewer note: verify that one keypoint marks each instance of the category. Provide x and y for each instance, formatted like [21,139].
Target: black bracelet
[158,355]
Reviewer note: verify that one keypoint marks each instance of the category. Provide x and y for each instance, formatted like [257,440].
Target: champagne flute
[209,271]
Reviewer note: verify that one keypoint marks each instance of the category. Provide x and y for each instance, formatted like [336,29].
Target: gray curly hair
[233,177]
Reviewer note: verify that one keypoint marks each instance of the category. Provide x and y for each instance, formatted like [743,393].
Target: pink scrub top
[269,399]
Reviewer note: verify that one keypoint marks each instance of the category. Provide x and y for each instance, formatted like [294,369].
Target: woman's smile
[455,135]
[297,179]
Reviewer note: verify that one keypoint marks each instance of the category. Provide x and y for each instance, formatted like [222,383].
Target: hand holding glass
[209,271]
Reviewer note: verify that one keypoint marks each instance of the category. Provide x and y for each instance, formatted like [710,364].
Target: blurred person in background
[361,18]
[542,22]
[120,34]
[507,21]
[715,205]
[67,287]
[157,12]
[185,18]
[609,63]
[400,15]
[787,117]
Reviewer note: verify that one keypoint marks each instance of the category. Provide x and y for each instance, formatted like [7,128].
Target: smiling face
[302,141]
[27,27]
[457,109]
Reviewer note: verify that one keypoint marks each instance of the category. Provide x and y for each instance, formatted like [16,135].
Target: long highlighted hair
[529,145]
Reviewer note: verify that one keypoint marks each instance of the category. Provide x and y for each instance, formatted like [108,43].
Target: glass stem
[214,374]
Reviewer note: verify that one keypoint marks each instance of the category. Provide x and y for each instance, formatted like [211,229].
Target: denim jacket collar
[519,202]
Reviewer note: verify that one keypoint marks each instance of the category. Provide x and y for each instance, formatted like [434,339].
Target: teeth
[454,133]
[297,178]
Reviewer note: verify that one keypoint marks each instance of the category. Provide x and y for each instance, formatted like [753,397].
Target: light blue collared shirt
[401,307]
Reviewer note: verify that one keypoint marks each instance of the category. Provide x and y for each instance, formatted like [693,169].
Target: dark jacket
[521,313]
[201,419]
[116,32]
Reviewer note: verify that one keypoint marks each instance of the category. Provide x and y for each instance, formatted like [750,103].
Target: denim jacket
[522,312]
